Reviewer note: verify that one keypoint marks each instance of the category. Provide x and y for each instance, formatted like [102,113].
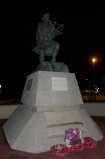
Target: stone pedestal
[51,105]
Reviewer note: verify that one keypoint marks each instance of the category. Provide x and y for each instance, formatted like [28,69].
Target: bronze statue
[47,30]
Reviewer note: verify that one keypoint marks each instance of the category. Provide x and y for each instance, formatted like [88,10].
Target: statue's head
[46,17]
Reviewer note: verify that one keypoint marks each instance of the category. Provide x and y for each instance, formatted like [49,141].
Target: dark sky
[84,36]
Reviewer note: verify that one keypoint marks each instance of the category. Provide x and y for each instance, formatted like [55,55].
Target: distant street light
[94,60]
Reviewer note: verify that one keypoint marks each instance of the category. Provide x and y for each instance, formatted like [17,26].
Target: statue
[47,30]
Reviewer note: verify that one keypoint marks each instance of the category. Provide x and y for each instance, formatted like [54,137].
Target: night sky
[83,38]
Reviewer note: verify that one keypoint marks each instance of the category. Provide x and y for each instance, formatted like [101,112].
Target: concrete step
[56,139]
[59,117]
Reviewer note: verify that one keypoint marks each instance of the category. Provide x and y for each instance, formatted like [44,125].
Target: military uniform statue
[46,32]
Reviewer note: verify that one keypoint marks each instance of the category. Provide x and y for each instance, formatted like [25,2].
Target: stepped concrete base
[36,132]
[51,105]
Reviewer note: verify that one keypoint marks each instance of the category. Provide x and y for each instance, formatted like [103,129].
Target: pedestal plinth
[51,104]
